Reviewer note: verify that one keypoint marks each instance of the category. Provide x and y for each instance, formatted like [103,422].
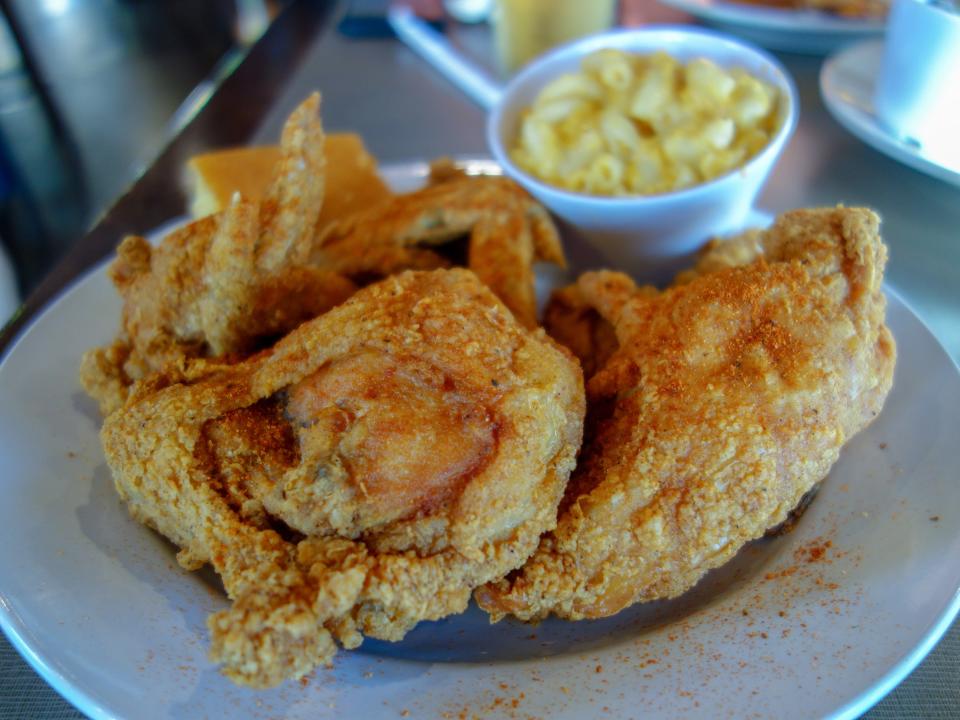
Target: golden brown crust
[103,378]
[224,285]
[317,433]
[508,232]
[576,325]
[219,285]
[719,253]
[377,463]
[728,398]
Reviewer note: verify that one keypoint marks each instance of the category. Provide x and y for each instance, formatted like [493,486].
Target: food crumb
[367,675]
[404,713]
[599,669]
[934,518]
[883,446]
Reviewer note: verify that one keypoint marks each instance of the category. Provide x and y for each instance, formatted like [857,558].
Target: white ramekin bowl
[648,236]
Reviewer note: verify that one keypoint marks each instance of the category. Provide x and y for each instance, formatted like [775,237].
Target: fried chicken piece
[728,399]
[365,473]
[444,169]
[215,287]
[573,322]
[719,253]
[219,287]
[508,232]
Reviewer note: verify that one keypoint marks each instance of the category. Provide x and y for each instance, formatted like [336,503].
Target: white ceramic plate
[847,81]
[803,31]
[820,622]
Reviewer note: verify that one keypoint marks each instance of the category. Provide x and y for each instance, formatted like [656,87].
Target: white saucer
[846,85]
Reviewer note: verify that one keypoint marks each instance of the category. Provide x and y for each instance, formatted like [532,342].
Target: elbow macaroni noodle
[640,125]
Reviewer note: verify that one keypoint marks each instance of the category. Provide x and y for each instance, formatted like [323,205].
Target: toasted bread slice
[352,180]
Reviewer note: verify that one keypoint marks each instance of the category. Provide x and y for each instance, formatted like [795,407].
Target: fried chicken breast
[727,398]
[365,473]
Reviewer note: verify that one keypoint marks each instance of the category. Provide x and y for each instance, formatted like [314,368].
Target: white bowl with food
[647,224]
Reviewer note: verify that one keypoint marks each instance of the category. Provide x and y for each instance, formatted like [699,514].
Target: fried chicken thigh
[727,398]
[365,473]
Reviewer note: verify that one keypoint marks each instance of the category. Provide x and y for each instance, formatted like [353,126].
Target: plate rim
[910,660]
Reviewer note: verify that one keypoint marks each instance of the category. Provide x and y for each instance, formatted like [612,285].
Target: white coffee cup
[917,95]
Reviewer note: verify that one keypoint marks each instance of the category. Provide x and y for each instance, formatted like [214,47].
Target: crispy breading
[728,398]
[508,232]
[365,473]
[224,285]
[574,322]
[216,286]
[719,253]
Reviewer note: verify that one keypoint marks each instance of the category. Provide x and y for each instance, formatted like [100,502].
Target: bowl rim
[585,45]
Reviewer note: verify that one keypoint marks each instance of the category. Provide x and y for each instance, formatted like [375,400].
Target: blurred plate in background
[802,31]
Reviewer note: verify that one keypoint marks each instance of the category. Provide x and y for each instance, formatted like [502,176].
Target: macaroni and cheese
[637,125]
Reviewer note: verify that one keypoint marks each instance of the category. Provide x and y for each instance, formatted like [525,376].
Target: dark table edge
[231,115]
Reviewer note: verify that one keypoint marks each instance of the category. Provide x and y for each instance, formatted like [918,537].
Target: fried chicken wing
[728,398]
[217,285]
[216,289]
[365,473]
[508,232]
[719,253]
[573,321]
